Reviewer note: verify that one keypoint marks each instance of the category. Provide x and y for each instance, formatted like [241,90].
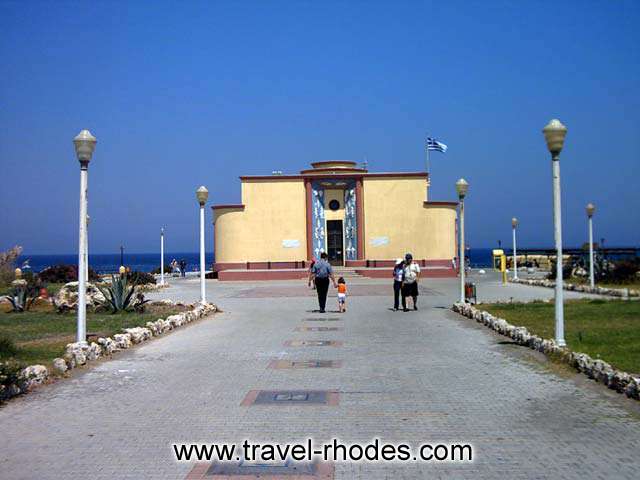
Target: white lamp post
[514,225]
[202,194]
[554,134]
[86,264]
[162,256]
[85,144]
[591,208]
[461,187]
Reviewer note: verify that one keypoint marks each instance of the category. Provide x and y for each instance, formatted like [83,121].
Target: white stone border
[575,287]
[598,370]
[151,287]
[79,353]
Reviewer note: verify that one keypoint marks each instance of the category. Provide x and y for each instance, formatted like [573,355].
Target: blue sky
[187,93]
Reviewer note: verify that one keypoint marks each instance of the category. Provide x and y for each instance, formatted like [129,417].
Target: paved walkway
[427,376]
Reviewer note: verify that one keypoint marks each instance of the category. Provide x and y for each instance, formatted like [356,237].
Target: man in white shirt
[410,282]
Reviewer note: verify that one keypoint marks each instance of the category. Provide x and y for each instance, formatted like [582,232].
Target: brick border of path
[612,292]
[600,371]
[79,353]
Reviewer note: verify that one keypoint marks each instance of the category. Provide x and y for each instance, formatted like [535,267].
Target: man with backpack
[410,282]
[320,274]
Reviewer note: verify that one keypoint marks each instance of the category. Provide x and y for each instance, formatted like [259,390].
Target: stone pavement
[417,377]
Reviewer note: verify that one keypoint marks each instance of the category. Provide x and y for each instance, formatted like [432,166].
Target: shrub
[22,297]
[59,274]
[167,270]
[567,270]
[64,274]
[120,295]
[11,382]
[7,264]
[624,271]
[7,348]
[140,278]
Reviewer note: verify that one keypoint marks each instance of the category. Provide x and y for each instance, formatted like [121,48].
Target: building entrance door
[335,243]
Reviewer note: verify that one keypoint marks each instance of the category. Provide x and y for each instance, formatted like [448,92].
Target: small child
[342,295]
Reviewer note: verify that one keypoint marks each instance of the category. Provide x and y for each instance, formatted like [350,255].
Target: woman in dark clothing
[398,277]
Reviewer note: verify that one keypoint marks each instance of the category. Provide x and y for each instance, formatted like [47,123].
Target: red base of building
[252,275]
[424,273]
[391,263]
[254,271]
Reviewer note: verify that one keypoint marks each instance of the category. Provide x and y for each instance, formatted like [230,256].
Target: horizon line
[211,252]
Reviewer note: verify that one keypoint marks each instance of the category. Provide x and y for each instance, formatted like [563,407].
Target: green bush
[567,269]
[64,274]
[141,278]
[22,297]
[11,383]
[624,271]
[120,296]
[167,270]
[7,348]
[7,264]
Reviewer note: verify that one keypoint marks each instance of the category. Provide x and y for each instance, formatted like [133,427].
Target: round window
[334,205]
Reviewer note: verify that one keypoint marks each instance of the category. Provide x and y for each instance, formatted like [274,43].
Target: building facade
[361,219]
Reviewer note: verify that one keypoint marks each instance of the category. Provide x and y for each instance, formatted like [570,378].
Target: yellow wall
[440,224]
[397,221]
[275,210]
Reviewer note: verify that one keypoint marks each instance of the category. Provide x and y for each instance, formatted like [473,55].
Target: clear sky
[181,94]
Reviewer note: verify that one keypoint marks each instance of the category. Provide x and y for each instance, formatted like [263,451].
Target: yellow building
[362,220]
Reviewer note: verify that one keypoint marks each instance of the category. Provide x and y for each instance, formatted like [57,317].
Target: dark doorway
[334,242]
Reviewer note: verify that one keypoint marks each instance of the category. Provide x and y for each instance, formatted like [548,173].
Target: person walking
[342,295]
[410,282]
[320,274]
[313,262]
[398,277]
[174,268]
[183,267]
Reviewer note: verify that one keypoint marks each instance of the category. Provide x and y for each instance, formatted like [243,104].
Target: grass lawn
[41,334]
[52,288]
[604,329]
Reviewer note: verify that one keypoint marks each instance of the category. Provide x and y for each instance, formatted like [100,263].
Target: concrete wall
[397,220]
[274,211]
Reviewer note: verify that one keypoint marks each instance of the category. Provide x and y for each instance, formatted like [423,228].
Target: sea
[146,262]
[109,263]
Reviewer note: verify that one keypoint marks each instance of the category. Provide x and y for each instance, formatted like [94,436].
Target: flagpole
[428,170]
[427,145]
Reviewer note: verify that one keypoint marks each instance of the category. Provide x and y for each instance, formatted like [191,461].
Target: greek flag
[433,144]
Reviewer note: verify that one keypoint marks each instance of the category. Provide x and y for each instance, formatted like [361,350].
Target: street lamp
[461,187]
[86,264]
[202,194]
[162,256]
[514,225]
[591,208]
[85,144]
[554,133]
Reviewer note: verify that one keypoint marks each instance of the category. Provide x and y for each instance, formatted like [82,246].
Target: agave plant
[120,295]
[22,297]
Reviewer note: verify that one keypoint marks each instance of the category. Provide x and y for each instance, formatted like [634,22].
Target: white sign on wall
[290,243]
[379,241]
